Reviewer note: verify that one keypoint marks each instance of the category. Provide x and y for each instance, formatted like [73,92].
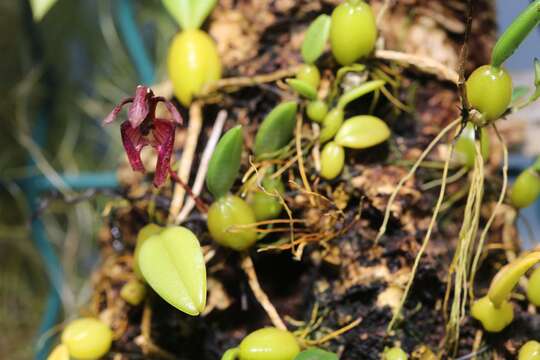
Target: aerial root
[440,199]
[411,173]
[260,295]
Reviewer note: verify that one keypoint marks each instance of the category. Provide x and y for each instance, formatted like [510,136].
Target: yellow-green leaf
[40,8]
[316,38]
[189,14]
[225,162]
[316,354]
[172,263]
[363,131]
[303,88]
[146,232]
[276,130]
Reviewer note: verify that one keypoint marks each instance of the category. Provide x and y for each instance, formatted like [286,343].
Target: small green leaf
[189,14]
[172,263]
[303,88]
[518,93]
[225,162]
[180,11]
[316,38]
[359,91]
[200,9]
[276,130]
[40,8]
[363,131]
[536,93]
[316,354]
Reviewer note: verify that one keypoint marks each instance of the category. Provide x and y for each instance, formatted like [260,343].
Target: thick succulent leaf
[303,88]
[316,38]
[172,263]
[276,130]
[316,354]
[225,162]
[40,8]
[363,131]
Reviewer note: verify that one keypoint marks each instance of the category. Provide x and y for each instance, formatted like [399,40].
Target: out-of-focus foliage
[67,70]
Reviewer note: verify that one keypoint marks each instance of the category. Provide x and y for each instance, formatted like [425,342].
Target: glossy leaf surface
[224,164]
[192,62]
[269,344]
[363,131]
[331,124]
[353,31]
[530,351]
[489,90]
[87,338]
[316,38]
[276,130]
[332,160]
[226,213]
[173,265]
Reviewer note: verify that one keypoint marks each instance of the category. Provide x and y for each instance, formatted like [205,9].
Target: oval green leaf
[316,354]
[303,88]
[316,38]
[276,130]
[172,263]
[225,162]
[363,131]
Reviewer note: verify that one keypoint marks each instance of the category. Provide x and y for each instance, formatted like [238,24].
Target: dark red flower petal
[176,117]
[139,109]
[114,113]
[163,142]
[133,142]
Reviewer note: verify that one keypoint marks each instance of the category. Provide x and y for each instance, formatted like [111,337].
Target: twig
[336,333]
[203,167]
[260,295]
[198,202]
[423,63]
[243,81]
[190,145]
[463,55]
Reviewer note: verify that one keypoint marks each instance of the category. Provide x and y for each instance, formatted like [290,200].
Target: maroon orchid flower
[143,128]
